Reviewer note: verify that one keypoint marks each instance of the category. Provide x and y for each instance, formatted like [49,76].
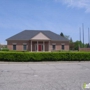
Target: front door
[39,47]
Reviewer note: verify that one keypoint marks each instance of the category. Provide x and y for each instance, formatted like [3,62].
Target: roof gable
[40,36]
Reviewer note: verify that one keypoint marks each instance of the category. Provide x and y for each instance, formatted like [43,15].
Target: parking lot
[44,75]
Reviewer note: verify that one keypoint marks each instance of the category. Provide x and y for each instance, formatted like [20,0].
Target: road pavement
[44,75]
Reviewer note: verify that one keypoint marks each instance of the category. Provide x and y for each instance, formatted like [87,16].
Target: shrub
[4,49]
[47,56]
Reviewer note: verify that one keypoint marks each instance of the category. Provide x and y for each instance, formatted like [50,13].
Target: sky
[58,16]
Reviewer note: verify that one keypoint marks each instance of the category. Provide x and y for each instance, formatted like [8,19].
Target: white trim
[64,47]
[14,43]
[43,46]
[26,47]
[13,47]
[49,46]
[37,46]
[24,43]
[53,43]
[31,45]
[52,47]
[62,43]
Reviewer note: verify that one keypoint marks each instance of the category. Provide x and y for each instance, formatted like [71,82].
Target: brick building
[37,40]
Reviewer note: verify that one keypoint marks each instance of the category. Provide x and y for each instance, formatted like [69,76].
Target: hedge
[48,56]
[4,49]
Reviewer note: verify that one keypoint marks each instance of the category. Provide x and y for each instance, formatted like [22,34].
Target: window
[14,47]
[53,47]
[62,47]
[24,47]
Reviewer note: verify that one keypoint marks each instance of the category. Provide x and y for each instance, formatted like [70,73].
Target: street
[44,75]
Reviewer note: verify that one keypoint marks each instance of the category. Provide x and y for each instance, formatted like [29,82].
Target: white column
[37,46]
[31,45]
[43,47]
[49,46]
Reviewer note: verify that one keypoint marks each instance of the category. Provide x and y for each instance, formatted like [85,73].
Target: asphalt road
[44,75]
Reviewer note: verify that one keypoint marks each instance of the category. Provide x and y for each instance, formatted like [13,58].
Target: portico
[40,45]
[40,42]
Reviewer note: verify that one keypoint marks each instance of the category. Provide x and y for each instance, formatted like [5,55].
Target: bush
[4,49]
[47,56]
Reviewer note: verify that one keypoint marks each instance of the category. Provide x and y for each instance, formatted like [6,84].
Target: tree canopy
[74,45]
[61,34]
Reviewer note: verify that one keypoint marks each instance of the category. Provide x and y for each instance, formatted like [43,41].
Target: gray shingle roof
[28,34]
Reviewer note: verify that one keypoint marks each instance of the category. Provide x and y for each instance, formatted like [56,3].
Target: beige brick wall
[58,45]
[20,45]
[66,47]
[84,49]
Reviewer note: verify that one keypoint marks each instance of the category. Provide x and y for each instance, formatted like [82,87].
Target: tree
[71,44]
[71,40]
[61,34]
[78,44]
[87,45]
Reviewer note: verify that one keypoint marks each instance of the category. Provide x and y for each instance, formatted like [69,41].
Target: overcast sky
[56,15]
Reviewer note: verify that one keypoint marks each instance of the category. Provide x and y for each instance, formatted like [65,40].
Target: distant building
[3,46]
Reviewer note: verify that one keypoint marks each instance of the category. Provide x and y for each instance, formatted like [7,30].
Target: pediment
[40,36]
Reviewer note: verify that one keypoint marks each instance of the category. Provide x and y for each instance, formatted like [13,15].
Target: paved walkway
[44,75]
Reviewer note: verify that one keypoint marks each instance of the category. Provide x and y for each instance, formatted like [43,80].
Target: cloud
[77,3]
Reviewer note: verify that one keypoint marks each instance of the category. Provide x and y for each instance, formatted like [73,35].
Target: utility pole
[83,33]
[88,38]
[80,36]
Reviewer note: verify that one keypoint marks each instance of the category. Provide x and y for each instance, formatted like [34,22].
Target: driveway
[44,75]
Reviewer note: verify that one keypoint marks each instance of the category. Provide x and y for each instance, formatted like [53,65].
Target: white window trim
[64,47]
[52,46]
[16,46]
[23,47]
[14,43]
[62,43]
[24,43]
[53,43]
